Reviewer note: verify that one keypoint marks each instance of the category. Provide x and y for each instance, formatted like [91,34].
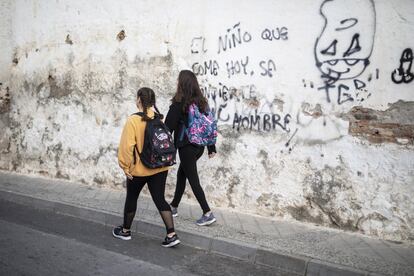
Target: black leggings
[156,186]
[189,155]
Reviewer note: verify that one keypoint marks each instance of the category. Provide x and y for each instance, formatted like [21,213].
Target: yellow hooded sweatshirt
[133,134]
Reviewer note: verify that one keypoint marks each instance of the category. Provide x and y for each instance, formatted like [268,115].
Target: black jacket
[175,121]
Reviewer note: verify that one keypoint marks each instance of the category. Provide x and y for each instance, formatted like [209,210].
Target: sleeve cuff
[211,149]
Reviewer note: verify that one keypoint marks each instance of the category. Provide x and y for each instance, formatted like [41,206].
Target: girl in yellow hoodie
[138,175]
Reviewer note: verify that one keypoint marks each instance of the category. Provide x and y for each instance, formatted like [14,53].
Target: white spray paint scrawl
[343,49]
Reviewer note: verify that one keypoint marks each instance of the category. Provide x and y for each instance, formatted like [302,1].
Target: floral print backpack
[202,127]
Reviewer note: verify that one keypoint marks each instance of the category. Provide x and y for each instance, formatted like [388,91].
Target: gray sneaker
[174,211]
[206,220]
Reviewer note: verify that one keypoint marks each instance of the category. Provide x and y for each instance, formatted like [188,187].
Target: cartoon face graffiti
[343,49]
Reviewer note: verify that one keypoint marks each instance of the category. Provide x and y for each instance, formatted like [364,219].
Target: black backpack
[158,150]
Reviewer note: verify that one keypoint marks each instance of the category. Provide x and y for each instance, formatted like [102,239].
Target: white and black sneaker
[170,242]
[118,232]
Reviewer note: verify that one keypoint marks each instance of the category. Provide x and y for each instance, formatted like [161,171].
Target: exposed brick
[390,125]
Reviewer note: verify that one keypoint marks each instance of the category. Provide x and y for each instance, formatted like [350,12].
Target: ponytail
[147,97]
[159,113]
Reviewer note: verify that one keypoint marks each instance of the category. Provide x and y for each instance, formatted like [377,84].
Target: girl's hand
[129,176]
[211,155]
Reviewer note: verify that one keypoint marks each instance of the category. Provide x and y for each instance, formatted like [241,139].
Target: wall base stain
[5,99]
[322,189]
[59,91]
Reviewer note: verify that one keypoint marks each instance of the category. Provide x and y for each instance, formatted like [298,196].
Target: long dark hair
[189,92]
[147,97]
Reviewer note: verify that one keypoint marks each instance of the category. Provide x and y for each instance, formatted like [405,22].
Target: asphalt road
[40,242]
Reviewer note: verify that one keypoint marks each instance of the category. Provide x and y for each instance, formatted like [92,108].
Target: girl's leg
[134,188]
[180,187]
[156,186]
[188,156]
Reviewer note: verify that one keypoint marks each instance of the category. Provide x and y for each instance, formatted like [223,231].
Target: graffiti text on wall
[233,38]
[249,113]
[240,106]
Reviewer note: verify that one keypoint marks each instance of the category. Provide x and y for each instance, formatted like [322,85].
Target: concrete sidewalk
[297,248]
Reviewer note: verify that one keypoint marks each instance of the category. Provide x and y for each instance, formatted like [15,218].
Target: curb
[297,265]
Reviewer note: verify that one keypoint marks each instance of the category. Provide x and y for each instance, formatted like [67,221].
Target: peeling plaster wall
[314,99]
[6,42]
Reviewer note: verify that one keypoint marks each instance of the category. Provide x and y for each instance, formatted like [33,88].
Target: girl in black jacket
[188,92]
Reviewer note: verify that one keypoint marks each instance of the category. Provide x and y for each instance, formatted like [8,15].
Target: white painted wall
[5,39]
[74,86]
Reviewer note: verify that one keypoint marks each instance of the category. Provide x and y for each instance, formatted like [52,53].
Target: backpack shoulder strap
[139,114]
[156,115]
